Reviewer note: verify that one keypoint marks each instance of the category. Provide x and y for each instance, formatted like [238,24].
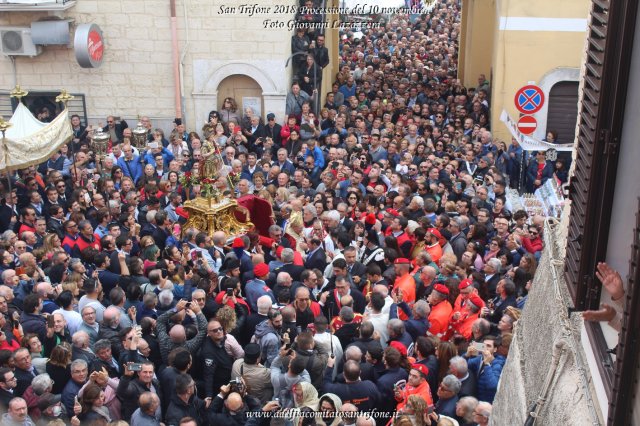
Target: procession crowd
[385,292]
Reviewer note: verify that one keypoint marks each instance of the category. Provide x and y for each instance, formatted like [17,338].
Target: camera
[236,385]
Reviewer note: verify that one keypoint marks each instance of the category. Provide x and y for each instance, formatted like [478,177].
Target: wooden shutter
[621,407]
[608,59]
[589,143]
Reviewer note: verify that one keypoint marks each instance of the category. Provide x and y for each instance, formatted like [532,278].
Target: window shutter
[589,143]
[621,409]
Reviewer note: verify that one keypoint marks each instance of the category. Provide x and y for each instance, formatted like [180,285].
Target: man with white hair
[492,276]
[448,396]
[482,413]
[416,208]
[287,257]
[110,329]
[81,347]
[458,238]
[89,323]
[458,367]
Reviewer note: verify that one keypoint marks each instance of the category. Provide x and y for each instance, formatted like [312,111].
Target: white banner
[36,147]
[527,142]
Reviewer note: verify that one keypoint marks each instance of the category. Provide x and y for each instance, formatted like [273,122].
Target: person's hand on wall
[605,313]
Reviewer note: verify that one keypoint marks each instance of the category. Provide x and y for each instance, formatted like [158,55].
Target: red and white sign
[527,124]
[529,99]
[89,45]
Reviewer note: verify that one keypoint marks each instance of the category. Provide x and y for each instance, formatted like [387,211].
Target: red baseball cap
[421,368]
[467,282]
[400,347]
[441,288]
[476,300]
[260,270]
[402,261]
[392,212]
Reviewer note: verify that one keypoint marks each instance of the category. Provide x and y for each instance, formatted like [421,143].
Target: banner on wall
[529,143]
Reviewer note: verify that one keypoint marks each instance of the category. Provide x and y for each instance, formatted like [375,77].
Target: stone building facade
[138,76]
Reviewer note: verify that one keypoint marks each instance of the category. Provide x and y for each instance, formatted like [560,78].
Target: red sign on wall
[88,44]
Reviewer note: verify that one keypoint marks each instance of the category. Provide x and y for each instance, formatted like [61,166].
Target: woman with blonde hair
[51,244]
[228,319]
[282,198]
[415,409]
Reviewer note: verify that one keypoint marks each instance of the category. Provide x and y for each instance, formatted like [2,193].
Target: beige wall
[520,54]
[137,75]
[522,57]
[477,40]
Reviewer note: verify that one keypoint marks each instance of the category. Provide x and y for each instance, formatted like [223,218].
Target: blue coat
[385,382]
[256,289]
[415,327]
[488,376]
[167,156]
[132,168]
[532,172]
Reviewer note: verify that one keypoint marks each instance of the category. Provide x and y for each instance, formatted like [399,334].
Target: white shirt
[72,318]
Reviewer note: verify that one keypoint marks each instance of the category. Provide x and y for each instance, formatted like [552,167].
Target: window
[592,189]
[37,102]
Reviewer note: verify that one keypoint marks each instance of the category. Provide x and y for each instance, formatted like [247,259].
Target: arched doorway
[244,89]
[563,110]
[266,81]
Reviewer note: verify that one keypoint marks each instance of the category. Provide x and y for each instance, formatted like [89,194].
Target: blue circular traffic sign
[529,99]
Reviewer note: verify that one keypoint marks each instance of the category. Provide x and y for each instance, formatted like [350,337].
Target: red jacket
[532,245]
[13,346]
[405,244]
[82,243]
[24,227]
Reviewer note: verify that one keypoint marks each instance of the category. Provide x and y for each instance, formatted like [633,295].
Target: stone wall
[571,397]
[137,76]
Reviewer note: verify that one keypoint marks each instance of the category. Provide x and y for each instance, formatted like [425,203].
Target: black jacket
[217,366]
[119,127]
[24,380]
[99,364]
[178,409]
[32,323]
[129,390]
[318,260]
[363,393]
[294,270]
[219,415]
[113,335]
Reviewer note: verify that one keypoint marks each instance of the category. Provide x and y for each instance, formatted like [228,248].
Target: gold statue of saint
[211,163]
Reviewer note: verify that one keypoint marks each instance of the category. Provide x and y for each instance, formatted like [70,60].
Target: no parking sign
[529,99]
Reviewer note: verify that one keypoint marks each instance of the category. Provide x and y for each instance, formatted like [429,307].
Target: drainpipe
[534,410]
[176,61]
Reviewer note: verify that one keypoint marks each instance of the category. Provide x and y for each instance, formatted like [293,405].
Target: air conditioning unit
[16,41]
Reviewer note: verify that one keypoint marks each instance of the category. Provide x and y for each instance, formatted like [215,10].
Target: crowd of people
[385,293]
